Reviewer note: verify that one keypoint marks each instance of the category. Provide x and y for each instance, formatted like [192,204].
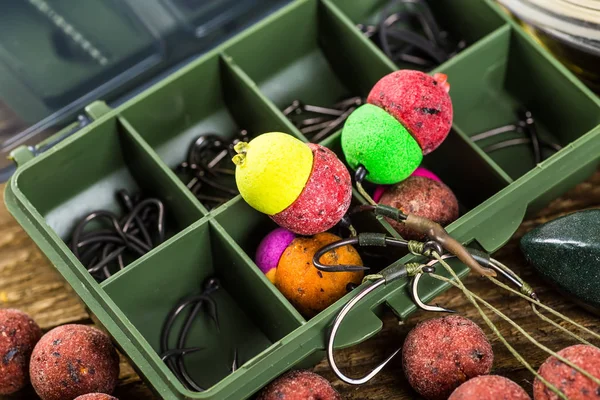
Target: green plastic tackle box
[310,50]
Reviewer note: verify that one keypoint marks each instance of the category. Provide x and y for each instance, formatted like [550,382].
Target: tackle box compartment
[310,50]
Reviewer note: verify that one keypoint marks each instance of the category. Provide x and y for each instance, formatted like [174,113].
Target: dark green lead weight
[566,252]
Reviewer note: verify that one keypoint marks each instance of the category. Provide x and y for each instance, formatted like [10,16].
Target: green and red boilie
[408,115]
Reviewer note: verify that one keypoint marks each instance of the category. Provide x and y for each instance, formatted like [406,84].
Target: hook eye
[428,270]
[336,326]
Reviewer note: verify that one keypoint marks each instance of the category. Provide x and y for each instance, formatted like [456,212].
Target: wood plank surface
[29,282]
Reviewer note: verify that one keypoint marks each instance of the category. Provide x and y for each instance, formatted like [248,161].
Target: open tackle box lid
[58,56]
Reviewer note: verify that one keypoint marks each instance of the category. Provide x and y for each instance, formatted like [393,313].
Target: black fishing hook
[174,357]
[425,47]
[362,239]
[99,249]
[202,166]
[524,125]
[318,122]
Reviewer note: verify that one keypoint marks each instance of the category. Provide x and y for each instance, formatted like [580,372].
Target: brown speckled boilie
[489,387]
[18,336]
[440,354]
[569,381]
[299,385]
[96,396]
[73,360]
[423,197]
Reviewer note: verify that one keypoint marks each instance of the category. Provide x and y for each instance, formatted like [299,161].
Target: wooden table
[29,282]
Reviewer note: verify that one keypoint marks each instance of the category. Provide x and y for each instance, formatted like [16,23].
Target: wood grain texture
[30,283]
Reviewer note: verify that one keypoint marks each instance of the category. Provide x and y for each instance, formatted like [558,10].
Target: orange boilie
[307,288]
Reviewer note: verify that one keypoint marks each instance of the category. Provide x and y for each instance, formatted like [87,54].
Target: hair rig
[433,251]
[409,33]
[435,255]
[204,172]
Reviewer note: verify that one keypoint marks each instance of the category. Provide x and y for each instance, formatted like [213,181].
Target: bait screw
[114,241]
[173,357]
[412,35]
[208,168]
[316,122]
[524,125]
